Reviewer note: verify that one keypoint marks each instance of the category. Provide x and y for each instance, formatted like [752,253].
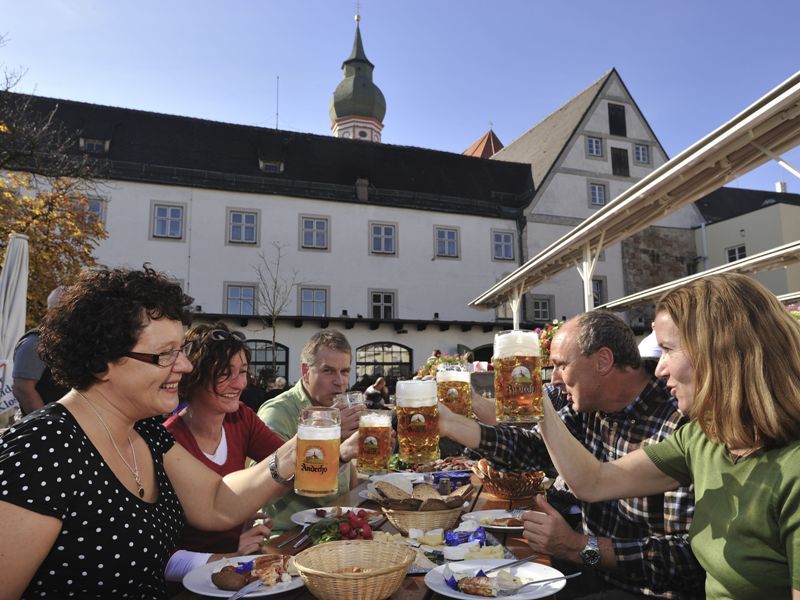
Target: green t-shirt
[746,527]
[281,414]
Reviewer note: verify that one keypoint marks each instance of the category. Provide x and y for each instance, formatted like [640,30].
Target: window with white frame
[240,299]
[168,221]
[597,194]
[446,242]
[599,290]
[381,304]
[502,245]
[242,227]
[315,233]
[594,146]
[503,311]
[93,145]
[383,238]
[313,302]
[641,153]
[98,206]
[541,308]
[736,253]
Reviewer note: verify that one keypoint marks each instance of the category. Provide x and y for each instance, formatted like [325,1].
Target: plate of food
[511,577]
[223,577]
[312,515]
[498,520]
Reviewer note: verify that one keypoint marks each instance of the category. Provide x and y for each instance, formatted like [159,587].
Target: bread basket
[332,571]
[510,485]
[403,520]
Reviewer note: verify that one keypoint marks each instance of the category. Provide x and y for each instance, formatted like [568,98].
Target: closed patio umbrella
[13,304]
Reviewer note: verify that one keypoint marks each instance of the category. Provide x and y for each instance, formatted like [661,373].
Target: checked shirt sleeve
[512,447]
[665,561]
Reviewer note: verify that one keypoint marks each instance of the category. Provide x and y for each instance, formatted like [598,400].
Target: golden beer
[417,421]
[317,469]
[517,377]
[455,391]
[374,441]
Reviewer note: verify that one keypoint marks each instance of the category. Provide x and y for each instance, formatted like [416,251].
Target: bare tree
[274,291]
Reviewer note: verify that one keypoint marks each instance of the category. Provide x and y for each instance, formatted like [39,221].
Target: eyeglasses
[220,334]
[163,359]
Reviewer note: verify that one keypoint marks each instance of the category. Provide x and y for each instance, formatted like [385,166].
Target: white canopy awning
[763,261]
[791,297]
[764,130]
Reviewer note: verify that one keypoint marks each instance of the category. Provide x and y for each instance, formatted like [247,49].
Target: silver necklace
[133,469]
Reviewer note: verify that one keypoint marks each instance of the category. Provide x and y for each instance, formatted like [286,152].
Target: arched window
[382,359]
[261,358]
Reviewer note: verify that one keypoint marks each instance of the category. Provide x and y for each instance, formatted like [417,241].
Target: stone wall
[652,257]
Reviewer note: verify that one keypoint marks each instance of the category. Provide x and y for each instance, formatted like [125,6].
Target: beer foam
[516,342]
[376,419]
[453,376]
[311,432]
[416,393]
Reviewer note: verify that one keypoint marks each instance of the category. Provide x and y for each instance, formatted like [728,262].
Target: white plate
[310,515]
[199,580]
[494,514]
[409,475]
[435,580]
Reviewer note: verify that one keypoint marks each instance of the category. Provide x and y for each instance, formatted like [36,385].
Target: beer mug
[348,399]
[517,377]
[317,470]
[417,421]
[454,388]
[374,441]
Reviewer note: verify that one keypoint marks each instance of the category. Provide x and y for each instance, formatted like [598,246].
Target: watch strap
[272,461]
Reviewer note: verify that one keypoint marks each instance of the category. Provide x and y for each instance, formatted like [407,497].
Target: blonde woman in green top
[731,357]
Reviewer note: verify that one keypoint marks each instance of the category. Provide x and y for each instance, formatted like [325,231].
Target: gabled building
[583,155]
[741,222]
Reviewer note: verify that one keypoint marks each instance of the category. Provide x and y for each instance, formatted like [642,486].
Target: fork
[515,591]
[306,525]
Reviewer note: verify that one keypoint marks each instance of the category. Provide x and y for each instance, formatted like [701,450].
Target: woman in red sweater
[223,433]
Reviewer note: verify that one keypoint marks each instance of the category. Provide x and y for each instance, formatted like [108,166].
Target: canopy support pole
[586,271]
[777,159]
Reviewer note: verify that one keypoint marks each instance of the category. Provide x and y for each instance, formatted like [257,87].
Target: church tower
[358,106]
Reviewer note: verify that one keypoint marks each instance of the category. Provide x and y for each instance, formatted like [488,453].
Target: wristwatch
[272,461]
[591,552]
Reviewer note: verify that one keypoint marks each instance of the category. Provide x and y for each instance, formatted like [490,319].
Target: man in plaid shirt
[613,406]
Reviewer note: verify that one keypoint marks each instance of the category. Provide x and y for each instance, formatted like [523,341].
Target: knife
[250,587]
[300,542]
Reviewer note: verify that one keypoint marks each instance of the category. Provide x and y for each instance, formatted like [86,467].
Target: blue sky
[447,68]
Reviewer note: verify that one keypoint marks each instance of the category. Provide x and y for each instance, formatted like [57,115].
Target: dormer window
[273,167]
[94,145]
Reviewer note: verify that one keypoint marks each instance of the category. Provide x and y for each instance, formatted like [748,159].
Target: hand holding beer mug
[517,377]
[374,441]
[350,405]
[317,468]
[454,388]
[417,421]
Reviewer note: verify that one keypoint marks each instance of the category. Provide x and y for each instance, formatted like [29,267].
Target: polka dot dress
[112,544]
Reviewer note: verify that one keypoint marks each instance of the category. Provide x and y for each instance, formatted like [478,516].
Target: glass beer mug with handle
[417,421]
[517,377]
[454,388]
[374,441]
[318,433]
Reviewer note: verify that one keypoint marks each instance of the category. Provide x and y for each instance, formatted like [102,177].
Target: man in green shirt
[324,373]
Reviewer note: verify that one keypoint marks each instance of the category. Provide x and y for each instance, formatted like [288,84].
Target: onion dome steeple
[358,106]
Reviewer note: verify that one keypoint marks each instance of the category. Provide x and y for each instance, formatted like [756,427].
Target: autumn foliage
[61,229]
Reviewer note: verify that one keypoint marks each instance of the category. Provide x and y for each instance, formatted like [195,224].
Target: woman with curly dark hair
[93,490]
[218,429]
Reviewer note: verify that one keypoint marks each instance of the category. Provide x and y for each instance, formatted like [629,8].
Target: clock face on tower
[346,134]
[376,137]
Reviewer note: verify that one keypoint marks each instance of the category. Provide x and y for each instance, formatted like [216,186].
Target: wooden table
[413,587]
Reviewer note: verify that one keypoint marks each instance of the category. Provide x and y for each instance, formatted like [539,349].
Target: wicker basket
[403,520]
[387,562]
[510,485]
